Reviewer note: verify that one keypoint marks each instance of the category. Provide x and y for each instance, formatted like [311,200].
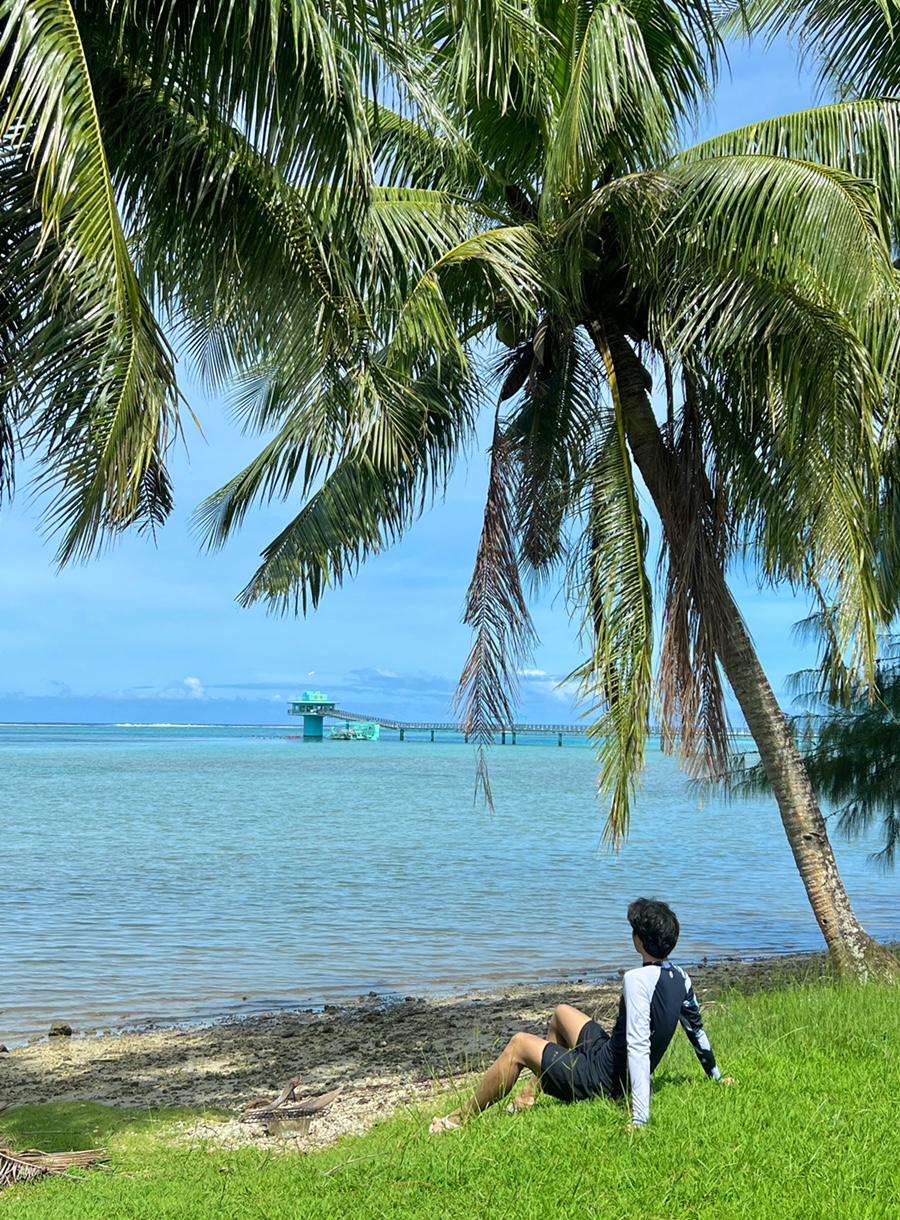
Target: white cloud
[190,688]
[557,692]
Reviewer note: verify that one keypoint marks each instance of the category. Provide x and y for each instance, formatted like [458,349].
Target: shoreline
[385,1055]
[164,1015]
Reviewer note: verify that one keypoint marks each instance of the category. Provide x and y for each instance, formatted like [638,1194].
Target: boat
[362,731]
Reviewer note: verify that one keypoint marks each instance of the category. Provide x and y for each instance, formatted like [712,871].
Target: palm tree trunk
[855,954]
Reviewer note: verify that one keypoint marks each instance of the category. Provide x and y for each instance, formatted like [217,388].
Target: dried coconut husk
[25,1166]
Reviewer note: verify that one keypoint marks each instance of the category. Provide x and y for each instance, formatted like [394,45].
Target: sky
[150,632]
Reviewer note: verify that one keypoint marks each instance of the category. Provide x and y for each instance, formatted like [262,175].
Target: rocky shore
[384,1055]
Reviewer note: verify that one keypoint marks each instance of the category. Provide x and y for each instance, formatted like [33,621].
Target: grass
[812,1129]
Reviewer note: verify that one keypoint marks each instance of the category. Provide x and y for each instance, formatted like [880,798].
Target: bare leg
[565,1026]
[522,1050]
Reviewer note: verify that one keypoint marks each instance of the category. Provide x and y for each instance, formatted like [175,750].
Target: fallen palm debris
[25,1166]
[287,1113]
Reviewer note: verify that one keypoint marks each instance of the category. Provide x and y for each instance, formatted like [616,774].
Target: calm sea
[179,873]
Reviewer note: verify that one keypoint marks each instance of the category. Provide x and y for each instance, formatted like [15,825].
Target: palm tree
[238,171]
[543,200]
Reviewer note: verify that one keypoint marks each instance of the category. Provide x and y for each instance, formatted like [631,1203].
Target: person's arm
[637,1038]
[692,1022]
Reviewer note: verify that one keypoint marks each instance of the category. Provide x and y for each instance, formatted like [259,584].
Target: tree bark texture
[855,954]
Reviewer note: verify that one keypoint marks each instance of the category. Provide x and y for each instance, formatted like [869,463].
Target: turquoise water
[184,873]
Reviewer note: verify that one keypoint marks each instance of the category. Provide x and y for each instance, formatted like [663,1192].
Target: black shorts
[575,1075]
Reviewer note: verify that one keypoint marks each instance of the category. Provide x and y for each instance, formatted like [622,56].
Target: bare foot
[451,1122]
[523,1101]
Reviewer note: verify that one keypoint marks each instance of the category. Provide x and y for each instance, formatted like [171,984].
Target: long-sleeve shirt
[656,998]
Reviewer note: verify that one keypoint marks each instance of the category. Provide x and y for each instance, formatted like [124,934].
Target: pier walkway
[432,727]
[510,732]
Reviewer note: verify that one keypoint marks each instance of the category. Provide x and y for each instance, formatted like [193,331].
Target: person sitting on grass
[579,1060]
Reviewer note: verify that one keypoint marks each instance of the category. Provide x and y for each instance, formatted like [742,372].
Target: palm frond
[408,152]
[31,1164]
[292,74]
[610,583]
[697,541]
[611,90]
[109,427]
[492,50]
[229,249]
[802,223]
[861,137]
[551,431]
[853,46]
[405,234]
[459,292]
[795,401]
[496,610]
[27,260]
[368,454]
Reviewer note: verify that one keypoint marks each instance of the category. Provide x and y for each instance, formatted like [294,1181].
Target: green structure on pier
[313,707]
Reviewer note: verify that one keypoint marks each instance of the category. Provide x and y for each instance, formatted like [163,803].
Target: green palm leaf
[853,45]
[609,580]
[290,74]
[368,451]
[103,438]
[860,137]
[610,89]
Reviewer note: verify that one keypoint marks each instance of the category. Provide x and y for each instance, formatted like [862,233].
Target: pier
[314,707]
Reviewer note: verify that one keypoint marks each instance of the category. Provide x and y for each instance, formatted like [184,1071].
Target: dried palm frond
[552,431]
[497,612]
[25,1166]
[696,543]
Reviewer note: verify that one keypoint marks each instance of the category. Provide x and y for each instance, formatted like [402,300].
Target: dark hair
[655,924]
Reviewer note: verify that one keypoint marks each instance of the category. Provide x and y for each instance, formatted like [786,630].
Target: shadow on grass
[67,1126]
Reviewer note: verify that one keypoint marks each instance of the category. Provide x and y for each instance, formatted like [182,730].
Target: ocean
[167,874]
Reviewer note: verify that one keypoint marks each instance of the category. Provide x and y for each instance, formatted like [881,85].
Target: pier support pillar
[514,736]
[559,739]
[401,734]
[503,737]
[313,728]
[432,734]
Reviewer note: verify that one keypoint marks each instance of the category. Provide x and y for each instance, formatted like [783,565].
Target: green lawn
[811,1129]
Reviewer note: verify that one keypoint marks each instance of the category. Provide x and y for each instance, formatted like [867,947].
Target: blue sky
[152,633]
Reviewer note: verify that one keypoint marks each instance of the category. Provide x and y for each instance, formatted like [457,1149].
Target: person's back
[656,998]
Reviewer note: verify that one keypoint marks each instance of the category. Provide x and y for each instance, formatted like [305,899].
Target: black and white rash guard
[656,997]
